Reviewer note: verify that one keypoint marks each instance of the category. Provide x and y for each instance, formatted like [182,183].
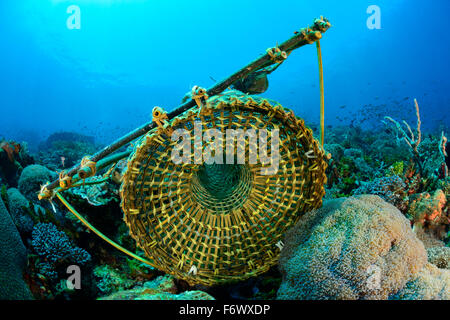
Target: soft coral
[11,148]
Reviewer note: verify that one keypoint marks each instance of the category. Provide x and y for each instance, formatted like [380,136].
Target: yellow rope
[322,95]
[101,235]
[65,181]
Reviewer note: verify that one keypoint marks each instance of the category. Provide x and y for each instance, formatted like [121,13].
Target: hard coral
[13,258]
[431,283]
[32,178]
[55,247]
[354,248]
[18,208]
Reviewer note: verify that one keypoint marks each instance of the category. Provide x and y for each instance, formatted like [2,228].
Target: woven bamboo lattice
[211,224]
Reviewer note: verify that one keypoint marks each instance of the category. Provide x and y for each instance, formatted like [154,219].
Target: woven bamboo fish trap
[210,224]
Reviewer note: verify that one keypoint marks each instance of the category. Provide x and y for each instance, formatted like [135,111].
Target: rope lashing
[98,233]
[276,55]
[88,168]
[65,181]
[159,116]
[322,94]
[311,35]
[45,193]
[323,24]
[199,95]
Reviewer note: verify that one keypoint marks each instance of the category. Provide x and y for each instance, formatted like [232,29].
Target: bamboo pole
[305,36]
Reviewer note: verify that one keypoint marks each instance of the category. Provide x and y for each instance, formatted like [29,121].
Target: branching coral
[13,259]
[55,247]
[391,189]
[412,141]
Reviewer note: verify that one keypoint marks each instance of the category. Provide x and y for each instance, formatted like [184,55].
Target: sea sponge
[18,205]
[32,178]
[13,258]
[352,248]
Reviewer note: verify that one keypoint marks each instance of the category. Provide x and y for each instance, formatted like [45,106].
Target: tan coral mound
[431,283]
[428,240]
[353,248]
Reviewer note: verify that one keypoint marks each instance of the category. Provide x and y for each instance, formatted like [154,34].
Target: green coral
[110,279]
[397,169]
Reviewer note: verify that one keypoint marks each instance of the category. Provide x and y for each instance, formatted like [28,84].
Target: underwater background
[128,56]
[371,207]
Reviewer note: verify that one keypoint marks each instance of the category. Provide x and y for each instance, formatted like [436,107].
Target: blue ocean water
[128,56]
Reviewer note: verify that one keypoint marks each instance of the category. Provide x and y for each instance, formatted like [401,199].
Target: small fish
[342,107]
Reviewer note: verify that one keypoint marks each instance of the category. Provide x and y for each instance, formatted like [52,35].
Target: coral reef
[355,248]
[411,140]
[390,189]
[64,149]
[55,249]
[162,288]
[336,252]
[13,257]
